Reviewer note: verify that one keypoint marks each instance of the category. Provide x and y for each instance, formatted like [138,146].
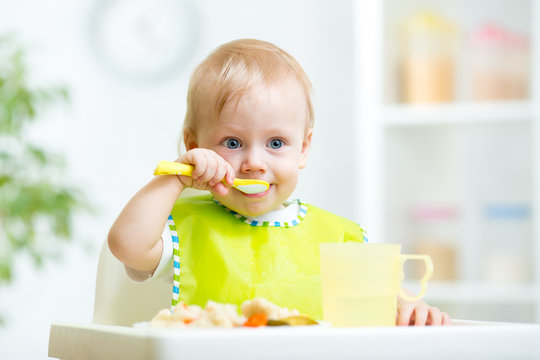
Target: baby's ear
[189,141]
[306,146]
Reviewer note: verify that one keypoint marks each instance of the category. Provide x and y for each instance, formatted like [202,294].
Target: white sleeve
[166,257]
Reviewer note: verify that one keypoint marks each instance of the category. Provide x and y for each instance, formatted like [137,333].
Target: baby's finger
[198,170]
[420,315]
[221,189]
[210,170]
[435,316]
[197,159]
[224,171]
[229,175]
[446,319]
[219,174]
[404,314]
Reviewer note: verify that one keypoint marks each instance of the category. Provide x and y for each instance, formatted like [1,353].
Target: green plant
[36,204]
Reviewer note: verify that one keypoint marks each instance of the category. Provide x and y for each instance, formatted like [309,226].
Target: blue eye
[232,143]
[275,143]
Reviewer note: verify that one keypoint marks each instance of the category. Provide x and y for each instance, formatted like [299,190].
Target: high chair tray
[461,340]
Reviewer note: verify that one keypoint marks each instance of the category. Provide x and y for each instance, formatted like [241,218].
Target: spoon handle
[173,168]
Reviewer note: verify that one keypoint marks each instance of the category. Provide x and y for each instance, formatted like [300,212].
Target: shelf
[459,292]
[450,149]
[405,115]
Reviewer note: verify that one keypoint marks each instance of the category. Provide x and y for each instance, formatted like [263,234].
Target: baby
[249,115]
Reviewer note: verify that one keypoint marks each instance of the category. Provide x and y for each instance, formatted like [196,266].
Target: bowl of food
[258,312]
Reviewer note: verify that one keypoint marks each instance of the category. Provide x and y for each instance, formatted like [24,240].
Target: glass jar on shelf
[499,63]
[507,243]
[435,232]
[428,59]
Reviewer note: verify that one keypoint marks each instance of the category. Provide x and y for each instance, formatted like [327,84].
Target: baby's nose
[253,162]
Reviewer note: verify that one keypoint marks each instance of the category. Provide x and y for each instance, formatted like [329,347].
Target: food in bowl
[255,313]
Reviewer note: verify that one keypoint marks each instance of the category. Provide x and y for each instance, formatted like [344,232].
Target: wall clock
[144,39]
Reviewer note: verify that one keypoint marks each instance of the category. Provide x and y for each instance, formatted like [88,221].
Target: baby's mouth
[259,194]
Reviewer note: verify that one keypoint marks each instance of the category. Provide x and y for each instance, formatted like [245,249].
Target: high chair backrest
[122,301]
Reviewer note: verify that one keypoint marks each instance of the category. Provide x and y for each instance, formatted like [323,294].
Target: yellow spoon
[248,186]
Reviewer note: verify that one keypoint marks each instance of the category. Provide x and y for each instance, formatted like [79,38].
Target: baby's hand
[209,170]
[419,313]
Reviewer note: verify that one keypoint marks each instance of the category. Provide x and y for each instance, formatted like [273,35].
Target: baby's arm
[135,237]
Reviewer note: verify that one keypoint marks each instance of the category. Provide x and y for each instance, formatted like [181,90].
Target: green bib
[224,258]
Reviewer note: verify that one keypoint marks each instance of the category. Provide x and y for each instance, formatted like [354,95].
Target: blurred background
[425,134]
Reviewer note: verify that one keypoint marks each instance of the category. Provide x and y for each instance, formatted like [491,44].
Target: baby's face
[264,136]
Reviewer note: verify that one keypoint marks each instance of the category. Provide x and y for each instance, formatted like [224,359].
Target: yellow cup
[360,282]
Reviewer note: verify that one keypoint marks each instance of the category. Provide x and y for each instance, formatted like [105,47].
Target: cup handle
[423,281]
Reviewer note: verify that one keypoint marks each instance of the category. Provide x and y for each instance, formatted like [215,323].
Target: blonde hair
[231,69]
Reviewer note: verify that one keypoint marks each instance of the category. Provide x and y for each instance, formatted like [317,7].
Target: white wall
[114,132]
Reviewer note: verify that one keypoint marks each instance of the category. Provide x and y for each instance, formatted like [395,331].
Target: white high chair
[122,301]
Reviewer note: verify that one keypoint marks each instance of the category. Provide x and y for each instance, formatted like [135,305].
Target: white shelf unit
[381,121]
[457,113]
